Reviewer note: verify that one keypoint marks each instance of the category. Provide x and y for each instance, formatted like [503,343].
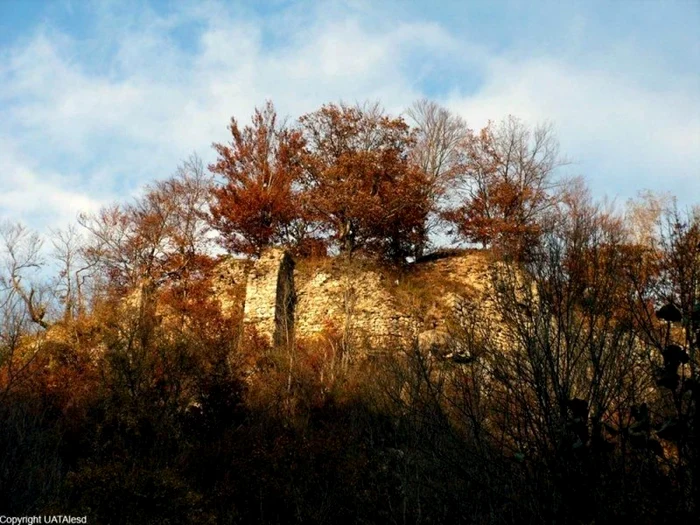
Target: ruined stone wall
[229,285]
[270,297]
[351,299]
[461,307]
[359,299]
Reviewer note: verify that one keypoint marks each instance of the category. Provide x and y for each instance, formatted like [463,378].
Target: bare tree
[17,353]
[73,272]
[438,151]
[643,216]
[439,140]
[544,388]
[155,238]
[21,251]
[21,303]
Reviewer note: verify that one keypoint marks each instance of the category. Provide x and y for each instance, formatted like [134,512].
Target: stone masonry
[372,305]
[270,297]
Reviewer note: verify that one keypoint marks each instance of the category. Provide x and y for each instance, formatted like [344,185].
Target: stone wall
[460,305]
[229,285]
[359,300]
[270,297]
[352,299]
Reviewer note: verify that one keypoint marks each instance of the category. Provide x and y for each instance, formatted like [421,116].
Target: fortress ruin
[281,299]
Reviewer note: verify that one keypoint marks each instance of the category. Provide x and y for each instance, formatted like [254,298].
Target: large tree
[440,137]
[507,184]
[438,151]
[361,182]
[257,205]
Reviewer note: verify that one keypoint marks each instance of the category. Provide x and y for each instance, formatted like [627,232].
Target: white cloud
[41,194]
[621,135]
[120,130]
[82,127]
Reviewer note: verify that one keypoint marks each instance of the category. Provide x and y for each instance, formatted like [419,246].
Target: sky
[98,99]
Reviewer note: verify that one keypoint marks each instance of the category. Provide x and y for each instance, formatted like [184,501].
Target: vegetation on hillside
[126,395]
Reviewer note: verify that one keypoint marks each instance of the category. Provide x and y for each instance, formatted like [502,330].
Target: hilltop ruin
[282,299]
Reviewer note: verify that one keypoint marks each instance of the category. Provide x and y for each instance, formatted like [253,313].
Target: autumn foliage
[258,204]
[360,183]
[129,394]
[340,178]
[507,184]
[353,178]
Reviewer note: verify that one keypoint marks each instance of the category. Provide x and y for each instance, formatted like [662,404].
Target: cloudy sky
[99,98]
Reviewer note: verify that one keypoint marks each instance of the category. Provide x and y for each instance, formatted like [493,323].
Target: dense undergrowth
[127,416]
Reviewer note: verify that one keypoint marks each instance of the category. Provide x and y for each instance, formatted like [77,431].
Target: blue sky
[99,98]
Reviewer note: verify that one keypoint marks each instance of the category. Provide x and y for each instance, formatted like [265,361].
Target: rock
[271,297]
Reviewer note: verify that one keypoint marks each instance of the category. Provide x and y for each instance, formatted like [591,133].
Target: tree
[157,237]
[258,204]
[680,276]
[507,184]
[666,304]
[73,276]
[561,380]
[361,183]
[440,136]
[21,305]
[157,241]
[21,250]
[643,216]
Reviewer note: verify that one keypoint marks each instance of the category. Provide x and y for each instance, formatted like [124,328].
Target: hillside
[283,337]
